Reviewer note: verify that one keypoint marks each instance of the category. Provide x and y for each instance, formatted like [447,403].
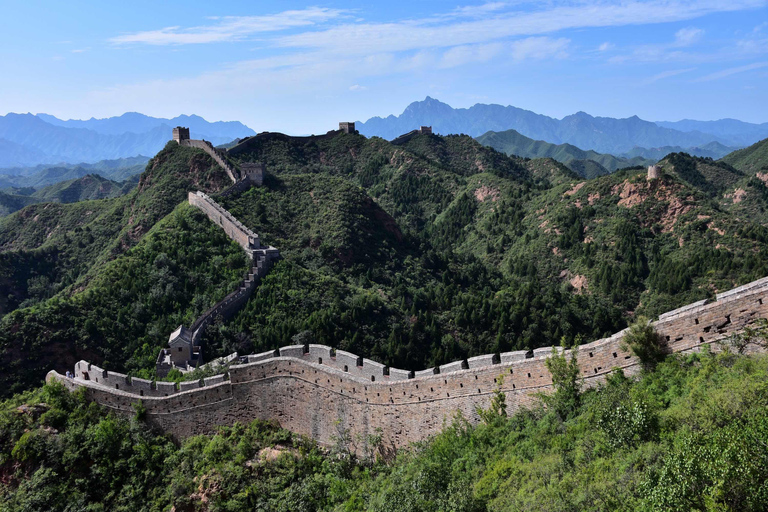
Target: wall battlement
[234,229]
[307,389]
[402,139]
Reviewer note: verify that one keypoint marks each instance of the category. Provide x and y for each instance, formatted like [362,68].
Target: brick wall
[308,388]
[215,154]
[234,229]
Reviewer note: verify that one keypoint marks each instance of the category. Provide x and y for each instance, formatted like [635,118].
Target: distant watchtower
[253,172]
[180,133]
[347,127]
[425,129]
[654,172]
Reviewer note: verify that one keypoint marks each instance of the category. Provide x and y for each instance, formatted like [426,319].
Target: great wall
[319,392]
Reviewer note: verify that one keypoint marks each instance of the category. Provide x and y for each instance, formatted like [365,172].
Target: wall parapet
[308,388]
[217,156]
[235,229]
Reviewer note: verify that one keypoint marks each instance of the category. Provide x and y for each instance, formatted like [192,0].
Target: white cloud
[670,51]
[732,71]
[688,36]
[666,74]
[436,33]
[605,47]
[539,48]
[474,11]
[81,50]
[357,87]
[231,28]
[467,54]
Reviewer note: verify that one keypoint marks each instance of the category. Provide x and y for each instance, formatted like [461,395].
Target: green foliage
[750,160]
[564,401]
[690,435]
[182,267]
[644,342]
[626,420]
[497,410]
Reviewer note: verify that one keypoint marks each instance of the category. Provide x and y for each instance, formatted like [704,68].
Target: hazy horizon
[300,69]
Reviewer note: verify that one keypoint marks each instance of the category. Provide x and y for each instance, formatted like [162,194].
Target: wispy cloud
[81,50]
[666,74]
[357,87]
[732,71]
[605,47]
[431,33]
[667,51]
[688,36]
[231,28]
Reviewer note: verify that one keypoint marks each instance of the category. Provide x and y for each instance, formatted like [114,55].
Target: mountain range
[590,164]
[28,140]
[600,134]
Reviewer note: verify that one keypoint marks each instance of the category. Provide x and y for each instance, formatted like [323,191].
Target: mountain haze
[31,140]
[601,134]
[738,133]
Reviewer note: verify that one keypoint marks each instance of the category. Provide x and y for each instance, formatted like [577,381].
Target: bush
[565,379]
[643,340]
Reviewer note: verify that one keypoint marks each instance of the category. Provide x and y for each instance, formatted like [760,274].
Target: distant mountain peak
[601,134]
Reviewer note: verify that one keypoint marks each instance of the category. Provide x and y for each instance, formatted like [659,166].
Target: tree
[497,410]
[565,379]
[643,340]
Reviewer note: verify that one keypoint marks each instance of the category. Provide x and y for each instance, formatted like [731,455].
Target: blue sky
[300,68]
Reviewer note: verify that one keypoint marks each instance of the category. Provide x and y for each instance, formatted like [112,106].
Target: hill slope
[750,160]
[513,143]
[412,255]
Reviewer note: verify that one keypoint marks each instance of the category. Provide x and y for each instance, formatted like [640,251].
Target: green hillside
[412,255]
[749,160]
[86,188]
[587,164]
[89,187]
[10,203]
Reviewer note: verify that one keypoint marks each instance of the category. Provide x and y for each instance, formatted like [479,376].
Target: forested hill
[413,255]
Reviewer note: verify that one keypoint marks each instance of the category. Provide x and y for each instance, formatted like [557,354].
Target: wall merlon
[396,374]
[510,357]
[453,367]
[211,381]
[189,385]
[427,373]
[484,360]
[296,351]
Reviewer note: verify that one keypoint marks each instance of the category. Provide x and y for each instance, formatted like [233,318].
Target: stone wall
[228,306]
[206,146]
[402,139]
[248,143]
[307,389]
[234,229]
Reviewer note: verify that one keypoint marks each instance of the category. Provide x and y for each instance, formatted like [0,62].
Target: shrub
[643,340]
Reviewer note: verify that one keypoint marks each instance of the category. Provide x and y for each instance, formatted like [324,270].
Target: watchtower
[426,129]
[180,133]
[253,172]
[347,127]
[654,172]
